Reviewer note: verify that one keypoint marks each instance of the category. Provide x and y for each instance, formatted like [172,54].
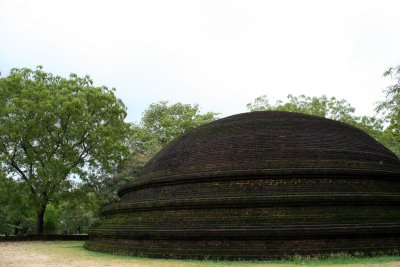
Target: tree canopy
[161,123]
[166,122]
[55,130]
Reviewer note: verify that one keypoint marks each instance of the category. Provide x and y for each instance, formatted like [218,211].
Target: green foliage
[160,124]
[165,122]
[16,215]
[78,211]
[54,128]
[3,203]
[76,219]
[390,110]
[394,73]
[323,106]
[51,219]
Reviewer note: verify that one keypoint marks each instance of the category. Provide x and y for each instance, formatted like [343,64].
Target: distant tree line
[65,147]
[384,126]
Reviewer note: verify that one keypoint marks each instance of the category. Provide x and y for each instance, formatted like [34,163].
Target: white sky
[219,54]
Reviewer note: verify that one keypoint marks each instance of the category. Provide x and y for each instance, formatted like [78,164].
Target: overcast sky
[219,54]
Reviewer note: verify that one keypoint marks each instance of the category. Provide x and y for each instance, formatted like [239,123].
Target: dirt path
[71,253]
[60,254]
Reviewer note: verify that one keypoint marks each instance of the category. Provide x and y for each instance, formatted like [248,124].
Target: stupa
[259,185]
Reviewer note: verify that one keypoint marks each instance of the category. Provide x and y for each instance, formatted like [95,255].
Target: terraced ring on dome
[259,185]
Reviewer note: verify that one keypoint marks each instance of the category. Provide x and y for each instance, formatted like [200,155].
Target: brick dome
[270,142]
[259,185]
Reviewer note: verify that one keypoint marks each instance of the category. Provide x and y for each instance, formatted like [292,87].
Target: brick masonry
[259,185]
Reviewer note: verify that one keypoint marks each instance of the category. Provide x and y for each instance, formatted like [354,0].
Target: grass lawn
[71,253]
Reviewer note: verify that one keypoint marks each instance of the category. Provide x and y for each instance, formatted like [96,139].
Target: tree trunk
[40,218]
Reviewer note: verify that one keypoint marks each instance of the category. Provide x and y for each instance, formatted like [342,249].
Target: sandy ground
[71,253]
[35,254]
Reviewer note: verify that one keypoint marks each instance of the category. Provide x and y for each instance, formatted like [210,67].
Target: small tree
[390,110]
[54,130]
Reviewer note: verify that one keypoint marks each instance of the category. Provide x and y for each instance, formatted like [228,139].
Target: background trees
[161,122]
[16,214]
[323,106]
[390,110]
[55,130]
[165,122]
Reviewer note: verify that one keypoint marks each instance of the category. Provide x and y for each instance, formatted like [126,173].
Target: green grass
[74,250]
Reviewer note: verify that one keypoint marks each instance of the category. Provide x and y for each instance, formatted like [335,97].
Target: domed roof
[270,142]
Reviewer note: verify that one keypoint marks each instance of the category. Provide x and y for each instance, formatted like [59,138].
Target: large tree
[55,131]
